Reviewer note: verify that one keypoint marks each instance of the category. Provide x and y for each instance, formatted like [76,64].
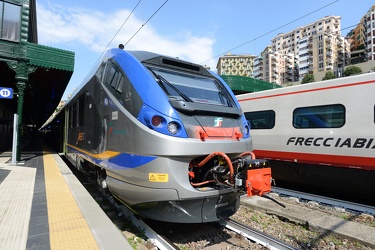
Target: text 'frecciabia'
[332,142]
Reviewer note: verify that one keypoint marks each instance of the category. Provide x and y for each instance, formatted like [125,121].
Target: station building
[37,75]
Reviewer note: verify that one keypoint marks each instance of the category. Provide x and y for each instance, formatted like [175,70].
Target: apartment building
[316,47]
[230,64]
[362,38]
[313,48]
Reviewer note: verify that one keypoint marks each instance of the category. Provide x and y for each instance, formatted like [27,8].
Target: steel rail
[256,236]
[153,236]
[326,200]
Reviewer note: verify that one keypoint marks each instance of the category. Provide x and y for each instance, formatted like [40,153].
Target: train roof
[169,62]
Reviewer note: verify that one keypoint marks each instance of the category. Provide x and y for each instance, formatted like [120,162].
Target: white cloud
[95,29]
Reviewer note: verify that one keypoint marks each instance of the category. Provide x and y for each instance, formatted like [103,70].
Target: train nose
[211,127]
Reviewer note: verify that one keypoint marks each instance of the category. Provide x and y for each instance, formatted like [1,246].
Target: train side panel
[320,134]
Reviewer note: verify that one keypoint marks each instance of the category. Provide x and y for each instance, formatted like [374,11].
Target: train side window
[81,108]
[264,119]
[74,116]
[325,116]
[100,71]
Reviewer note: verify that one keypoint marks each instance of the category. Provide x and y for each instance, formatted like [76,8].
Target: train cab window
[120,83]
[193,88]
[115,75]
[115,79]
[327,116]
[264,119]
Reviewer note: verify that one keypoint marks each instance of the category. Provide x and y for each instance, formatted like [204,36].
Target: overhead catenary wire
[269,32]
[118,31]
[124,24]
[145,22]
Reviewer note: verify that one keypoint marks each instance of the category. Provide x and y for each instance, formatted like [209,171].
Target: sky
[199,31]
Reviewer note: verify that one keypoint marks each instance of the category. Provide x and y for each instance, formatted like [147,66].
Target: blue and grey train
[165,136]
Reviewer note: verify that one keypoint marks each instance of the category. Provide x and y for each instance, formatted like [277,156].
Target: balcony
[304,64]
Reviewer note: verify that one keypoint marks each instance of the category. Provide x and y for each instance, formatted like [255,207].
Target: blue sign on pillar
[6,93]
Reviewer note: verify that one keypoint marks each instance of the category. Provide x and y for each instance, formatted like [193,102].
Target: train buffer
[258,179]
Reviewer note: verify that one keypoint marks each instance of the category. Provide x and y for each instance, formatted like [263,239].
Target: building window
[10,16]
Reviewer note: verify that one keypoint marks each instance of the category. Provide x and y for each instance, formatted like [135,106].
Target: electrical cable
[145,23]
[122,25]
[117,31]
[272,31]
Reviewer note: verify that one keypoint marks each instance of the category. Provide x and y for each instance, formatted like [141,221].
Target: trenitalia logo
[218,122]
[332,142]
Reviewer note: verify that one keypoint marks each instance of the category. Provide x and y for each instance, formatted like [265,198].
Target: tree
[308,78]
[329,75]
[352,70]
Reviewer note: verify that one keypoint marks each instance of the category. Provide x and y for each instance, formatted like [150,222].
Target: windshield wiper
[224,95]
[163,81]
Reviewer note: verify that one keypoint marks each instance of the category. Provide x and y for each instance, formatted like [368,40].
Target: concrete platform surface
[44,206]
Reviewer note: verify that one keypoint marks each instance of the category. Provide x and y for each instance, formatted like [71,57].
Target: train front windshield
[192,88]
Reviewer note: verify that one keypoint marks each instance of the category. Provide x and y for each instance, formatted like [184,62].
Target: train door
[93,123]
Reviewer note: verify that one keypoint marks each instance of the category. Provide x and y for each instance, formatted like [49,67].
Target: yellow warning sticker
[157,177]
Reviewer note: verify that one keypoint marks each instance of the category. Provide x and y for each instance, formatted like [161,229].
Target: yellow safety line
[104,155]
[68,228]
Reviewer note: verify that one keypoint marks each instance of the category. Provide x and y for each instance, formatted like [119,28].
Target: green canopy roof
[244,84]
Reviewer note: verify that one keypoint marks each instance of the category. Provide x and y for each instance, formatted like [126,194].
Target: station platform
[44,206]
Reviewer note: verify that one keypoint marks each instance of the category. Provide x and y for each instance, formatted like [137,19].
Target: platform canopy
[39,72]
[244,84]
[37,75]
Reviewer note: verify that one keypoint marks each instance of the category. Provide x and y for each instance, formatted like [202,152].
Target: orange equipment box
[258,181]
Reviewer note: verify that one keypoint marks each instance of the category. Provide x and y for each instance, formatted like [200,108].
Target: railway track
[255,235]
[347,205]
[227,235]
[155,232]
[241,232]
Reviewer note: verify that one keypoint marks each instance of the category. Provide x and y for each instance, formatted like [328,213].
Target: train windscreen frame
[192,88]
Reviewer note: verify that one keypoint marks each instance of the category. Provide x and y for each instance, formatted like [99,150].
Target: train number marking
[157,177]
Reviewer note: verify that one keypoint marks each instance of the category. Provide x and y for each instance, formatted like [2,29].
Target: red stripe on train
[360,162]
[308,90]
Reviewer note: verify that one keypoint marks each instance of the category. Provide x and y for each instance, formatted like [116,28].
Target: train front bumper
[200,210]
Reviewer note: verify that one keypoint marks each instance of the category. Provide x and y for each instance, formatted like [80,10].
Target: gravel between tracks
[298,235]
[291,233]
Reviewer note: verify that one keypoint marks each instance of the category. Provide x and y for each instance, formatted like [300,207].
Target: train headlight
[172,128]
[246,130]
[156,121]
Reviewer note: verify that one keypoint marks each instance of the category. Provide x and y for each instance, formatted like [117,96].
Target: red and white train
[321,134]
